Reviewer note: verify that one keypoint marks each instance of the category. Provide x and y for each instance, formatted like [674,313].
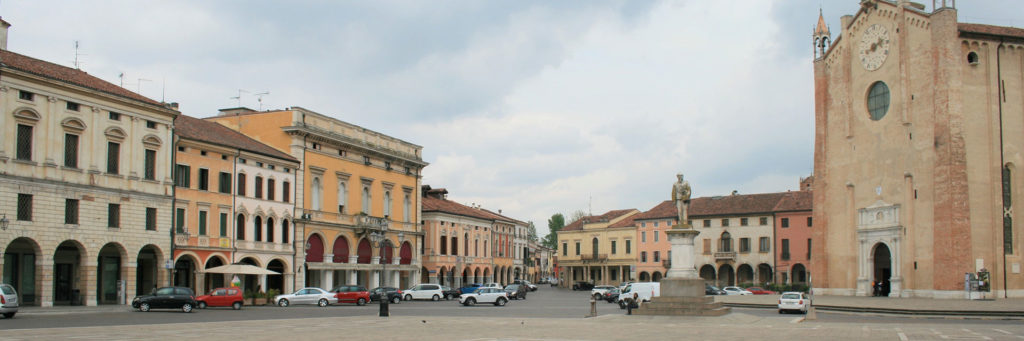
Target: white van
[644,292]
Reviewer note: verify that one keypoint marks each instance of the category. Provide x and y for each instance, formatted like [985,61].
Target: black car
[611,296]
[393,294]
[516,291]
[450,293]
[166,298]
[712,290]
[582,286]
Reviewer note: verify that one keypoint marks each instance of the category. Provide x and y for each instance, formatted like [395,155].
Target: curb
[892,311]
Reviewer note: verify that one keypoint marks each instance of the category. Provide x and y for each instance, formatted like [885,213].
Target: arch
[387,253]
[725,242]
[881,268]
[645,277]
[364,251]
[764,273]
[214,280]
[240,227]
[251,260]
[21,271]
[257,228]
[405,253]
[726,275]
[276,282]
[251,282]
[148,264]
[27,114]
[707,272]
[110,269]
[799,273]
[487,274]
[68,263]
[184,270]
[115,133]
[73,124]
[745,274]
[656,276]
[314,249]
[151,140]
[270,230]
[340,250]
[476,275]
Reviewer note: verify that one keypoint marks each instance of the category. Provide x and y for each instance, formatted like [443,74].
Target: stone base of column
[683,297]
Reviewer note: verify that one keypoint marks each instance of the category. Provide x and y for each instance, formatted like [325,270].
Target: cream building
[917,145]
[598,249]
[735,244]
[85,184]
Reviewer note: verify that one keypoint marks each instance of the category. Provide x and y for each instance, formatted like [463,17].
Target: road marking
[1003,331]
[903,337]
[797,320]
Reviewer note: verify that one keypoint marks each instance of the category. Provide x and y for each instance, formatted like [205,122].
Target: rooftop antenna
[139,85]
[78,64]
[259,98]
[163,90]
[121,76]
[239,97]
[590,205]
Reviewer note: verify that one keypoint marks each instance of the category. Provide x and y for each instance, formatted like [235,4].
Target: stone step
[679,305]
[686,300]
[682,312]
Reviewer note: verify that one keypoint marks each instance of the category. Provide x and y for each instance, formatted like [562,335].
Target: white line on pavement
[1003,331]
[903,337]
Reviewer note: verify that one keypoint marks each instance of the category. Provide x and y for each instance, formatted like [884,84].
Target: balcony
[728,255]
[588,258]
[785,256]
[667,263]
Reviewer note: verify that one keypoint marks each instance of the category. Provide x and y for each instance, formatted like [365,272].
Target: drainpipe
[295,239]
[234,194]
[1002,162]
[174,201]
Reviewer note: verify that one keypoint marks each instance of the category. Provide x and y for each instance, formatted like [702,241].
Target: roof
[202,130]
[796,201]
[991,30]
[666,209]
[433,204]
[735,204]
[516,221]
[68,75]
[822,28]
[607,216]
[629,221]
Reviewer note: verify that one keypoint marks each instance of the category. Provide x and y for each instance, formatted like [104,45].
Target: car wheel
[202,305]
[361,302]
[500,302]
[597,297]
[470,301]
[435,298]
[283,302]
[408,297]
[322,302]
[622,305]
[144,307]
[397,300]
[781,312]
[186,308]
[9,315]
[447,297]
[236,306]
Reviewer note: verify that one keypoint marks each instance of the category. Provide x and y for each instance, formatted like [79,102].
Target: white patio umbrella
[241,269]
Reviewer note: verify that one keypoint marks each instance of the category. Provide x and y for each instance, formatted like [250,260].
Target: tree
[557,222]
[579,214]
[531,232]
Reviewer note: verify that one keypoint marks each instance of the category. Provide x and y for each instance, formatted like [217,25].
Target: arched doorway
[476,276]
[465,276]
[387,254]
[147,267]
[425,276]
[184,271]
[764,273]
[212,280]
[726,275]
[745,274]
[656,276]
[487,275]
[405,253]
[707,272]
[340,250]
[68,274]
[799,274]
[20,269]
[645,277]
[882,268]
[108,273]
[251,282]
[276,282]
[365,252]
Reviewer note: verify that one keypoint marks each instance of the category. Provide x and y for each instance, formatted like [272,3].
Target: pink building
[793,237]
[652,244]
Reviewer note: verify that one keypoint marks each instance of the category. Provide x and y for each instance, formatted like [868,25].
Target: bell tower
[822,37]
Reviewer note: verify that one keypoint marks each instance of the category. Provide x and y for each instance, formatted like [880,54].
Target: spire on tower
[822,28]
[822,37]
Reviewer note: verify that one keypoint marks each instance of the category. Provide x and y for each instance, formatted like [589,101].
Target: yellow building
[353,182]
[598,249]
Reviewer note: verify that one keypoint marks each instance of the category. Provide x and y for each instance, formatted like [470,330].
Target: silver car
[8,300]
[316,296]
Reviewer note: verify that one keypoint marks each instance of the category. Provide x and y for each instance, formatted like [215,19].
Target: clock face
[874,47]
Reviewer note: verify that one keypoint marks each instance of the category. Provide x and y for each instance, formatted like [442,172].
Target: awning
[241,269]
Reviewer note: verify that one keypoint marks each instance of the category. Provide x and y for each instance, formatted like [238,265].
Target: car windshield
[791,296]
[626,289]
[7,289]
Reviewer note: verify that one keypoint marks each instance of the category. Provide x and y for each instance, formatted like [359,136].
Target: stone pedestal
[681,238]
[682,290]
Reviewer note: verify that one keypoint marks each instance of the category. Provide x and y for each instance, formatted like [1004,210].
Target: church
[919,125]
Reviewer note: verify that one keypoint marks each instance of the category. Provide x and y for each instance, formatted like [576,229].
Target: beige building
[917,145]
[598,249]
[85,184]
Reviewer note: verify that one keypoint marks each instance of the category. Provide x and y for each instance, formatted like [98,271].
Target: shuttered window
[24,142]
[71,150]
[113,157]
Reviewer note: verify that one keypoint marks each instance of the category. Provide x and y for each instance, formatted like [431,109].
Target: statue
[681,197]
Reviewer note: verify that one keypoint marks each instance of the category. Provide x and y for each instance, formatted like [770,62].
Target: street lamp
[4,222]
[380,241]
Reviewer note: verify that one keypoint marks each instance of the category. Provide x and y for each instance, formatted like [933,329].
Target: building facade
[793,223]
[353,182]
[598,249]
[652,243]
[457,241]
[85,185]
[917,144]
[735,242]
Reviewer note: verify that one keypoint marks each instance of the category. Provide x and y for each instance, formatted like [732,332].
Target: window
[643,236]
[114,116]
[71,150]
[316,146]
[113,215]
[318,194]
[657,256]
[765,244]
[444,245]
[744,245]
[643,256]
[366,160]
[204,179]
[725,243]
[628,249]
[655,236]
[24,207]
[707,222]
[240,227]
[258,190]
[240,188]
[577,248]
[408,170]
[225,182]
[743,221]
[565,249]
[342,152]
[113,157]
[181,175]
[71,211]
[366,200]
[284,231]
[223,224]
[878,100]
[707,246]
[150,219]
[613,247]
[179,220]
[72,106]
[26,96]
[150,124]
[270,230]
[808,248]
[655,224]
[763,221]
[785,249]
[809,222]
[455,246]
[785,222]
[150,173]
[725,222]
[387,205]
[407,209]
[257,228]
[387,165]
[270,189]
[24,142]
[286,192]
[202,223]
[644,224]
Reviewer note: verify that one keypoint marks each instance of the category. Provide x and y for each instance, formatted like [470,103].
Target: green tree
[531,232]
[557,222]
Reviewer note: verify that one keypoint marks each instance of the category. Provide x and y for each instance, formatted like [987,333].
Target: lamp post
[4,222]
[379,240]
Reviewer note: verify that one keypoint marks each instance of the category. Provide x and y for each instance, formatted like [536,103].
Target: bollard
[593,307]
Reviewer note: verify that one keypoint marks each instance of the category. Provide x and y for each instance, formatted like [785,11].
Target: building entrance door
[62,286]
[882,270]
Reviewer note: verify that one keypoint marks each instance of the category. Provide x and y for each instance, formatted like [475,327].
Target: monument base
[683,297]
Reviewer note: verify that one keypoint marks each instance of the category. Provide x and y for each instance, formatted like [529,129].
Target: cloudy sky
[532,107]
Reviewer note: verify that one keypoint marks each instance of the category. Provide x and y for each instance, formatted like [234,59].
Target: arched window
[407,208]
[342,197]
[444,245]
[341,250]
[240,189]
[318,194]
[366,200]
[455,246]
[240,227]
[476,248]
[284,231]
[726,243]
[595,245]
[387,204]
[257,227]
[485,248]
[465,247]
[270,230]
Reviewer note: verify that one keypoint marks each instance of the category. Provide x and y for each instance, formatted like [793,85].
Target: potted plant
[270,295]
[260,298]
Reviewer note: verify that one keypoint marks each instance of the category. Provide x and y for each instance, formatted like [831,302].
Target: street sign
[169,264]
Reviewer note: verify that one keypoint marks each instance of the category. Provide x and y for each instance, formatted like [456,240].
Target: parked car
[623,285]
[612,295]
[316,296]
[221,297]
[598,291]
[431,292]
[493,285]
[450,293]
[582,286]
[166,298]
[526,283]
[352,294]
[8,301]
[470,288]
[794,301]
[760,291]
[730,290]
[516,291]
[484,295]
[712,290]
[644,292]
[393,294]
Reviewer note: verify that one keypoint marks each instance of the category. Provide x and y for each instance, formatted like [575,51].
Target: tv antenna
[138,86]
[121,77]
[78,64]
[239,97]
[259,98]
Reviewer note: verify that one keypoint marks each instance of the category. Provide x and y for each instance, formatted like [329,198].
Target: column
[328,281]
[375,279]
[353,259]
[328,257]
[353,276]
[44,288]
[289,279]
[396,277]
[200,283]
[87,282]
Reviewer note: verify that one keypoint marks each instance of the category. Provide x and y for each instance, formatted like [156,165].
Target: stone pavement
[1009,307]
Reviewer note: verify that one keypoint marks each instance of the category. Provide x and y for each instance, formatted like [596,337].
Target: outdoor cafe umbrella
[241,269]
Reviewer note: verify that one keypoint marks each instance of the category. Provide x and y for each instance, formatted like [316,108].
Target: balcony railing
[594,258]
[667,263]
[785,256]
[728,255]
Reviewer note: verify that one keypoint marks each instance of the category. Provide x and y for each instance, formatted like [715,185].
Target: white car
[316,296]
[8,301]
[431,292]
[492,285]
[599,290]
[736,291]
[484,295]
[794,301]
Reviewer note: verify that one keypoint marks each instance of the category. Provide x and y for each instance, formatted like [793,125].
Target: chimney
[4,25]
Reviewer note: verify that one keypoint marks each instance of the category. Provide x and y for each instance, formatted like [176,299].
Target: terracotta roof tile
[666,209]
[796,201]
[514,220]
[212,132]
[68,75]
[734,204]
[991,30]
[629,221]
[607,216]
[432,204]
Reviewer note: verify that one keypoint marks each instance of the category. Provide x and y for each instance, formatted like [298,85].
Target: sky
[530,107]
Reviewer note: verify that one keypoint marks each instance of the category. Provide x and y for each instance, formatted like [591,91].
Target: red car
[352,294]
[759,291]
[221,297]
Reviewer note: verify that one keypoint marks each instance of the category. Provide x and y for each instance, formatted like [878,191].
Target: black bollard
[384,309]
